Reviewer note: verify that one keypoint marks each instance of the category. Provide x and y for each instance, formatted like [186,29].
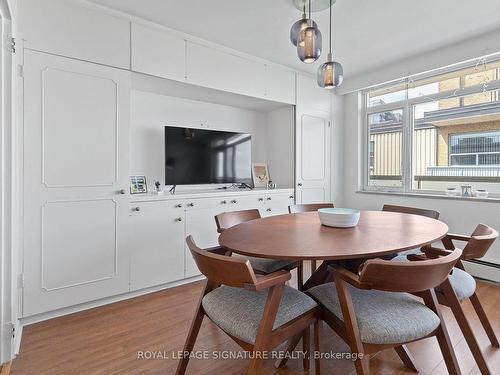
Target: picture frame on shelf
[138,185]
[260,175]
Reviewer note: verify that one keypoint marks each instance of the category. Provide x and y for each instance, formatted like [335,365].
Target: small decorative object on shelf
[260,175]
[452,192]
[271,185]
[138,185]
[158,189]
[466,191]
[481,193]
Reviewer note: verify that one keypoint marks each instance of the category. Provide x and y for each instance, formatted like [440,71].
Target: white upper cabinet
[311,97]
[74,30]
[220,70]
[158,53]
[280,84]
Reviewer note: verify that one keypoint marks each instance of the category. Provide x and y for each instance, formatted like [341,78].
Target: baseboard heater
[483,270]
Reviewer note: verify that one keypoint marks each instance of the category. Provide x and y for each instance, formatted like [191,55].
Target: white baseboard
[17,337]
[484,270]
[105,301]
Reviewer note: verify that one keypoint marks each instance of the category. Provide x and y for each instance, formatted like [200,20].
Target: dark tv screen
[200,156]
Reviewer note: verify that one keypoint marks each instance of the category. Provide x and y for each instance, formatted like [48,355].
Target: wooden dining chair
[433,214]
[227,220]
[257,312]
[373,310]
[462,286]
[309,207]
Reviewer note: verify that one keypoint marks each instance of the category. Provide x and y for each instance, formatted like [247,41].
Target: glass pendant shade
[309,43]
[297,27]
[330,74]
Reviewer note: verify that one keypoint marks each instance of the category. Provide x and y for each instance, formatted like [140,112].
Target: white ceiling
[367,33]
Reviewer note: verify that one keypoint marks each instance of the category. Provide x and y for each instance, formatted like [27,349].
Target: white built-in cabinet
[158,229]
[84,237]
[164,54]
[313,140]
[157,53]
[77,30]
[76,132]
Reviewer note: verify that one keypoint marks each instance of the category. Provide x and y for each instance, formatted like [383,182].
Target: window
[434,132]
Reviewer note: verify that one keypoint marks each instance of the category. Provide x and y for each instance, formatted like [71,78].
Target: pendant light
[298,26]
[309,41]
[331,73]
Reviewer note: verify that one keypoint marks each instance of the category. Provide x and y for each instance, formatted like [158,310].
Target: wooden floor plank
[107,340]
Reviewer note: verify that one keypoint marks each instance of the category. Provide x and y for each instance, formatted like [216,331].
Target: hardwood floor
[109,340]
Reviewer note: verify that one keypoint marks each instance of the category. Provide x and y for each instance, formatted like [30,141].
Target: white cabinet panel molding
[76,164]
[79,110]
[82,248]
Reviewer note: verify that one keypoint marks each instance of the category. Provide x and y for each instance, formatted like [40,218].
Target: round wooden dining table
[302,237]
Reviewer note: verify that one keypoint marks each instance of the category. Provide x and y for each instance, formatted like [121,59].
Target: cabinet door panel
[156,244]
[200,223]
[280,84]
[313,159]
[75,30]
[74,219]
[157,53]
[219,70]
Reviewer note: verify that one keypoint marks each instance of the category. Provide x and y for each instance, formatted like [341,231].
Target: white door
[156,241]
[76,130]
[313,159]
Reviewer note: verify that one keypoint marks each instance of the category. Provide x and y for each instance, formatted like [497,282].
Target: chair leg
[191,339]
[300,276]
[256,362]
[484,320]
[292,344]
[406,357]
[313,266]
[306,343]
[442,334]
[317,350]
[456,308]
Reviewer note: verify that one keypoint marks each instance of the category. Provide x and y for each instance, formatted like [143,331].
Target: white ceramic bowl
[338,217]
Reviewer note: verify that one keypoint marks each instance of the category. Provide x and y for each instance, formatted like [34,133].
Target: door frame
[8,206]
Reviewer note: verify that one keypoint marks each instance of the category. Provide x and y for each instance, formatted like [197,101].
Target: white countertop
[207,193]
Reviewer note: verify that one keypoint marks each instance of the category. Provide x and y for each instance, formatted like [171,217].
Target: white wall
[280,144]
[150,112]
[460,215]
[338,147]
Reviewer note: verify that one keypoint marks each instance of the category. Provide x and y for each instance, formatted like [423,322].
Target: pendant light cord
[330,51]
[310,9]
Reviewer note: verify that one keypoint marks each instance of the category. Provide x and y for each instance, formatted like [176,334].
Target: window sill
[430,196]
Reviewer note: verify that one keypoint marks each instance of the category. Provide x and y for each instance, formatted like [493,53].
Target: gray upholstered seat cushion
[239,311]
[263,265]
[383,317]
[463,283]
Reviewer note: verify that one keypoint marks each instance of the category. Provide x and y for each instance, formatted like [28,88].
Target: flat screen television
[201,156]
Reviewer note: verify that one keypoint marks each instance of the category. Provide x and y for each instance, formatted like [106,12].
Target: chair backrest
[409,277]
[227,220]
[231,271]
[481,240]
[411,210]
[297,208]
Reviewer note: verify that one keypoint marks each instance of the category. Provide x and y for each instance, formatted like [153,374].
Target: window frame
[407,106]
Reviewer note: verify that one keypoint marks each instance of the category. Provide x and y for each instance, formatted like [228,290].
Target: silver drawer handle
[190,204]
[268,210]
[178,205]
[178,219]
[223,202]
[233,201]
[122,191]
[261,199]
[291,197]
[137,209]
[268,198]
